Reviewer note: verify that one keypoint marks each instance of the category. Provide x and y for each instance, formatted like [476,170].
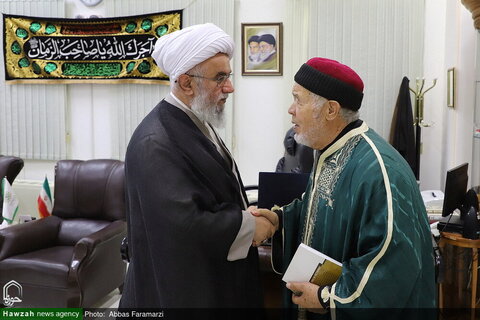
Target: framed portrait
[262,45]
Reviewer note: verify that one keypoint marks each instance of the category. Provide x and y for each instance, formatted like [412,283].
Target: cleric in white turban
[177,52]
[189,231]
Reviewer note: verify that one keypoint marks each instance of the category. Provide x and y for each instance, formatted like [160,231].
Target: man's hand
[263,230]
[306,296]
[270,215]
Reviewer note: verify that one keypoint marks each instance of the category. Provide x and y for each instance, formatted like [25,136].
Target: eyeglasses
[220,79]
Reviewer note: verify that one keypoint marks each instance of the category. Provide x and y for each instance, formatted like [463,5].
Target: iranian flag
[44,200]
[10,203]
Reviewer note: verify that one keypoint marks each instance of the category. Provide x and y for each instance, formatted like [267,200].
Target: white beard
[265,55]
[305,138]
[301,139]
[255,57]
[206,111]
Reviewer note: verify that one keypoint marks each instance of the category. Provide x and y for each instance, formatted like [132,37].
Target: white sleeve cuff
[242,243]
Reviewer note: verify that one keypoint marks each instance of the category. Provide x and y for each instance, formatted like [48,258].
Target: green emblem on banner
[34,27]
[50,67]
[147,25]
[131,26]
[130,67]
[23,63]
[92,69]
[144,67]
[16,49]
[50,28]
[162,30]
[21,33]
[36,68]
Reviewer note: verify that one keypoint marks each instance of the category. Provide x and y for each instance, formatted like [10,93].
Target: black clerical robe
[184,210]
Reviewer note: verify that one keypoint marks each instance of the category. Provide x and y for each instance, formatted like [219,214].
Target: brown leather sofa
[72,258]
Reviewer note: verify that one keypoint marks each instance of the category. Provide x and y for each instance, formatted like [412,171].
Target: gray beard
[300,138]
[255,57]
[265,55]
[208,112]
[304,139]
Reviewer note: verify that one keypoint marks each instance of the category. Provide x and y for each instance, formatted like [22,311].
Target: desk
[457,240]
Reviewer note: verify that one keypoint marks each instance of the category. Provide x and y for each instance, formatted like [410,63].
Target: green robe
[363,207]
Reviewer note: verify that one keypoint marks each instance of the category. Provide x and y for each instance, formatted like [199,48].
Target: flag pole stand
[419,121]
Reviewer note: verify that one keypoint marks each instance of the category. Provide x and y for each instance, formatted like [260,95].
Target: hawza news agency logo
[12,293]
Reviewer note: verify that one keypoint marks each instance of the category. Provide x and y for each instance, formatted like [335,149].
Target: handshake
[266,223]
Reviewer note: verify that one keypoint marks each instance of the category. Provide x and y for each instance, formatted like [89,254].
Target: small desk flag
[44,200]
[10,203]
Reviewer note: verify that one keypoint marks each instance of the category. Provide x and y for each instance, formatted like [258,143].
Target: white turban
[177,52]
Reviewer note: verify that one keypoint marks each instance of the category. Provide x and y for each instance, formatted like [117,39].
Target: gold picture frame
[262,49]
[451,86]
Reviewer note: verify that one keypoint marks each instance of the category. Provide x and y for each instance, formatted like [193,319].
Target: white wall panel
[32,117]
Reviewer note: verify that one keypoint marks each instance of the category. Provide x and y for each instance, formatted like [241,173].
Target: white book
[310,265]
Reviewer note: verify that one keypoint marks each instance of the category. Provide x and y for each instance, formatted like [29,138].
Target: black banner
[85,50]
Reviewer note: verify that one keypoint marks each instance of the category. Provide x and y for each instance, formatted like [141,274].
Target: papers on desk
[434,229]
[433,200]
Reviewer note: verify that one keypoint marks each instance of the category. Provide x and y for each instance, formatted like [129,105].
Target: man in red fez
[362,207]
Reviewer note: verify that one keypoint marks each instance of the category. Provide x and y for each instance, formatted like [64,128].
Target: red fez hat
[332,80]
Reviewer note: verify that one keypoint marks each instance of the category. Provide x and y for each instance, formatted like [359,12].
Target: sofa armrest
[86,245]
[29,236]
